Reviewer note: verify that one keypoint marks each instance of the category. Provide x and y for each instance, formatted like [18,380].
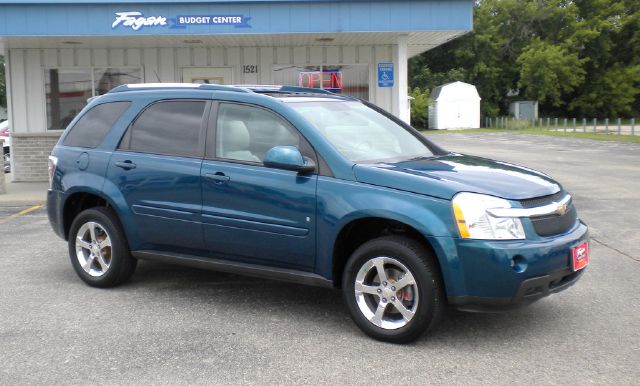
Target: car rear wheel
[98,248]
[393,289]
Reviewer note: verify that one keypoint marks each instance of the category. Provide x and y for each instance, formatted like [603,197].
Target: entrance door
[209,75]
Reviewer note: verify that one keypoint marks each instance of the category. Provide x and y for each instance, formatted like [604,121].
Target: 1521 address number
[250,69]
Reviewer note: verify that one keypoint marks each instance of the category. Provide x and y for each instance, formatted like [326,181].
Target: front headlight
[474,222]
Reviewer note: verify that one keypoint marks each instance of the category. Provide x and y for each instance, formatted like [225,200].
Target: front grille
[553,224]
[542,201]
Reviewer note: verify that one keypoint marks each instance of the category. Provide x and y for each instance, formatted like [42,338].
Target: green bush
[420,107]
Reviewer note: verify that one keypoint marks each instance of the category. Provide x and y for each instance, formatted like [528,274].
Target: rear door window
[92,127]
[168,127]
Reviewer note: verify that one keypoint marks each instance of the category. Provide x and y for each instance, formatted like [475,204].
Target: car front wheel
[393,289]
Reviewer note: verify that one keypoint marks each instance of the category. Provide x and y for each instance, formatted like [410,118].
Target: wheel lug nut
[379,290]
[384,283]
[384,300]
[393,298]
[393,288]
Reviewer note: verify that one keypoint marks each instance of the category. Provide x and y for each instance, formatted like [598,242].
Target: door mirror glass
[288,158]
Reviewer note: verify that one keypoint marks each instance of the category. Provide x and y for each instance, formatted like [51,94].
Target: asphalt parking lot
[173,325]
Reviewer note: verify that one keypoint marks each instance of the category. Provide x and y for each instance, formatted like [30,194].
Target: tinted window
[172,127]
[246,133]
[95,124]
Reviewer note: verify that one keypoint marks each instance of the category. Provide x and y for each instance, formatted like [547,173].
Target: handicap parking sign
[385,74]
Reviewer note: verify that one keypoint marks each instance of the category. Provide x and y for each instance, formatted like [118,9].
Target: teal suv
[309,187]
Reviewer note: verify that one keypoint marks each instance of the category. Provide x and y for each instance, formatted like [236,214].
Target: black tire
[121,264]
[421,263]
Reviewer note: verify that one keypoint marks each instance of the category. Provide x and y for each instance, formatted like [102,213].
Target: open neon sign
[328,80]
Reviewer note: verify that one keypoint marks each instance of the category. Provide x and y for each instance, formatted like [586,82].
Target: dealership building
[60,53]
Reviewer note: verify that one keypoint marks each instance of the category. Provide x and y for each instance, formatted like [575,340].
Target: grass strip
[595,136]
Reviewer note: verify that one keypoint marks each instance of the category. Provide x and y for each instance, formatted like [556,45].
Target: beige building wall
[26,80]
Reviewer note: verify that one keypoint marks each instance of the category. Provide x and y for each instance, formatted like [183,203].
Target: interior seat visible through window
[235,141]
[246,133]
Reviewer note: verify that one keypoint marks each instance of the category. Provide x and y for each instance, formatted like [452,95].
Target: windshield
[360,133]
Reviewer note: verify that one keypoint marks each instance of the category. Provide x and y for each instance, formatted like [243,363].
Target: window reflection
[67,93]
[107,78]
[68,89]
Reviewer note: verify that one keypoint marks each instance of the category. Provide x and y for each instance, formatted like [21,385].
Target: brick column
[30,154]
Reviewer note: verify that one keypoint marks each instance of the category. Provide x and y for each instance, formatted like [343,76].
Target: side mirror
[288,158]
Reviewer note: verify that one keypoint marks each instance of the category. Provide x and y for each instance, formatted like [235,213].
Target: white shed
[454,106]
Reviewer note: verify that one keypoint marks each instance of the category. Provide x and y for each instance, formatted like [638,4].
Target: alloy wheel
[386,293]
[93,249]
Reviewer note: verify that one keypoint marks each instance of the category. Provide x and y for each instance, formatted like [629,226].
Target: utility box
[454,106]
[527,110]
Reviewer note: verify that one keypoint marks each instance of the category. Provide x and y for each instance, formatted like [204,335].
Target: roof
[154,1]
[435,93]
[199,17]
[438,91]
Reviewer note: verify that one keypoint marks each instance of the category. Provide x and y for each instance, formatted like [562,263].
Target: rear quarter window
[172,127]
[92,127]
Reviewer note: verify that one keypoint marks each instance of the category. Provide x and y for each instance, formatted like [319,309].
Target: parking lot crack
[615,249]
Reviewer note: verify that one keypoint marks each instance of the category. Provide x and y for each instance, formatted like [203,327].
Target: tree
[611,48]
[549,71]
[576,57]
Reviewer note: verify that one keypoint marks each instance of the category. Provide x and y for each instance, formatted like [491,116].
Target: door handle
[217,178]
[126,165]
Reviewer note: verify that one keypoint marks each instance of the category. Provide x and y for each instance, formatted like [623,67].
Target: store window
[351,80]
[69,88]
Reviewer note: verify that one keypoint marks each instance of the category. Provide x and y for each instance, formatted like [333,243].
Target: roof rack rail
[307,90]
[266,89]
[175,86]
[259,89]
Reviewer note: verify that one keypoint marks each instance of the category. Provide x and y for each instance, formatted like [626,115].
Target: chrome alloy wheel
[93,249]
[386,293]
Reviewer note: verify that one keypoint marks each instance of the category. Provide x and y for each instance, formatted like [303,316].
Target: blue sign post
[385,74]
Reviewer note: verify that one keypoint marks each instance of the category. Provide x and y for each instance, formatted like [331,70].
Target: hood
[444,176]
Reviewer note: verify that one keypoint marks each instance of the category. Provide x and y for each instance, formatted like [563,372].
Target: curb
[14,203]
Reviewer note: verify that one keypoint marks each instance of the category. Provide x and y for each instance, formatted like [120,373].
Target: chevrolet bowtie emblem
[562,209]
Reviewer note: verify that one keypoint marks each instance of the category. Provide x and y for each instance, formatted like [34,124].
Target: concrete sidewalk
[23,193]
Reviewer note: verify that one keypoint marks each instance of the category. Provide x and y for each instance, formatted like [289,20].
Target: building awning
[428,23]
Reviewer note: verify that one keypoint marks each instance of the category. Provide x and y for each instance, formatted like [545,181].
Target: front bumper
[502,275]
[529,291]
